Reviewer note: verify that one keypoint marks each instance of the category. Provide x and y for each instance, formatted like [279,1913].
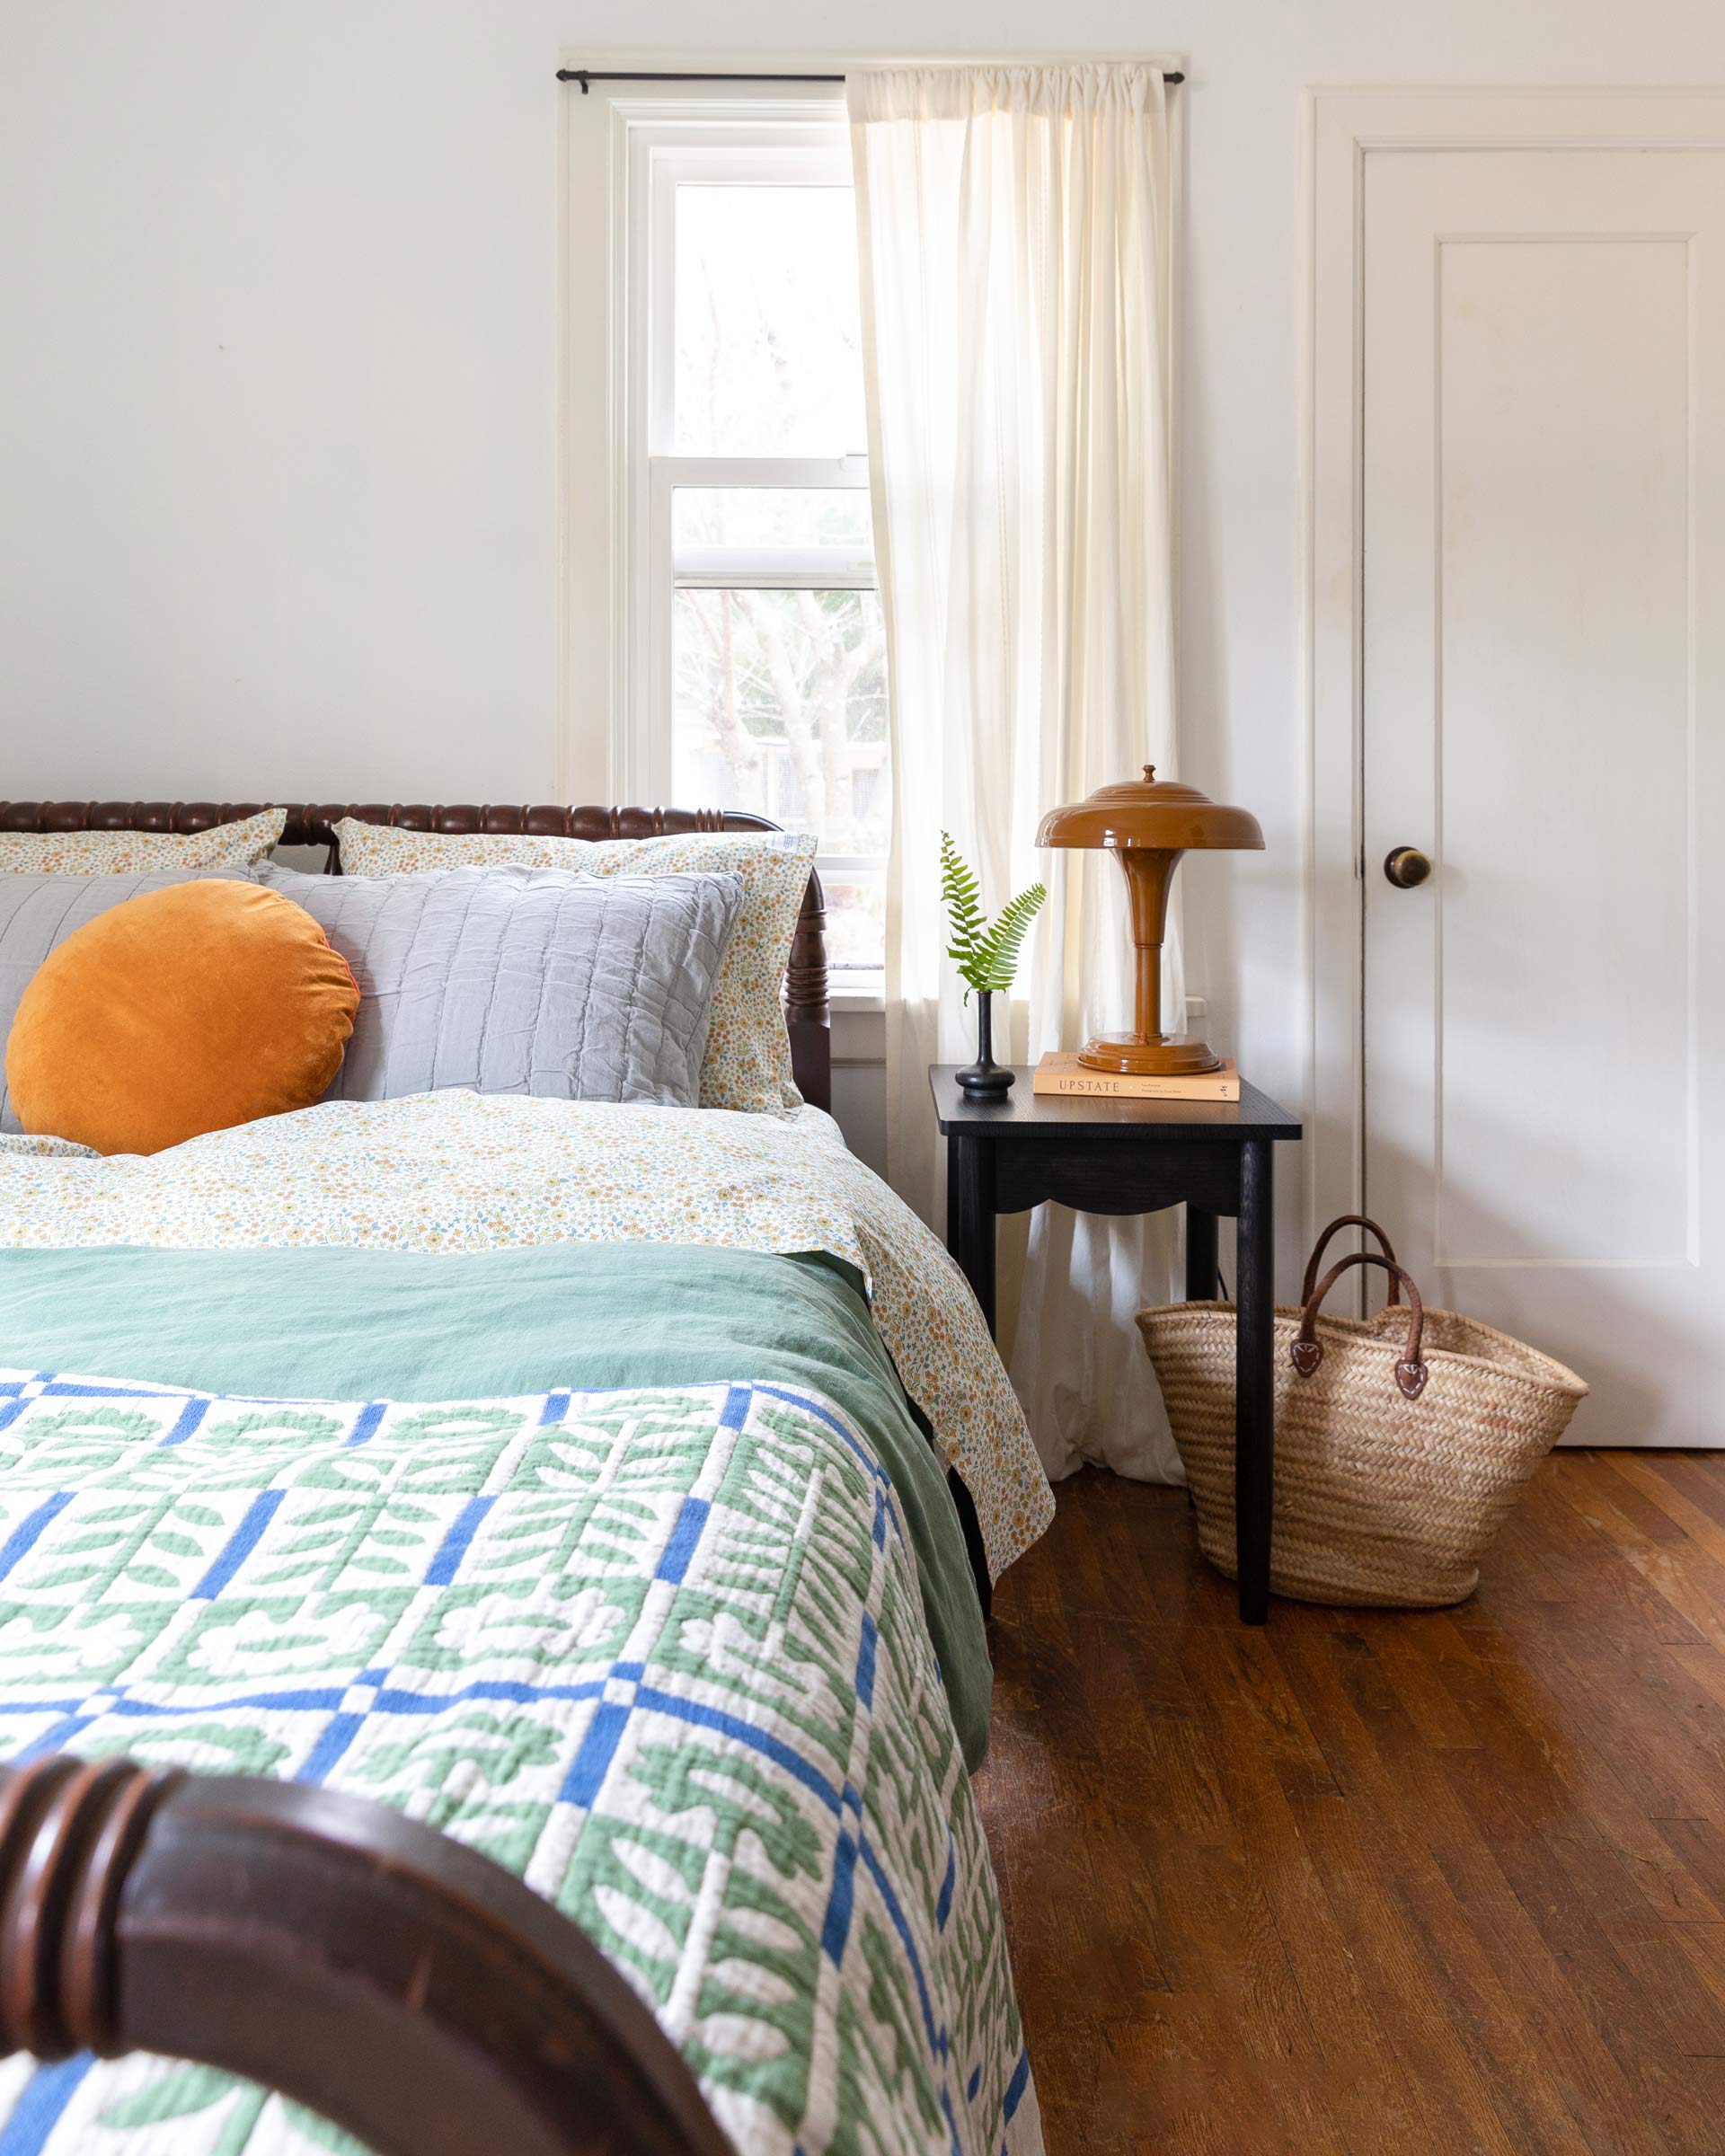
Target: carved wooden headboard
[312,824]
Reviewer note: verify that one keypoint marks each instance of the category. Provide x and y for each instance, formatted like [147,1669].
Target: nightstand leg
[1201,1255]
[970,1216]
[1253,1423]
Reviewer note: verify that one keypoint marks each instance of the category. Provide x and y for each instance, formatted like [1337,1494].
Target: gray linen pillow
[39,912]
[518,980]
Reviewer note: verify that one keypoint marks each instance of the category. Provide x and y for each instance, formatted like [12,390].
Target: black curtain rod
[586,76]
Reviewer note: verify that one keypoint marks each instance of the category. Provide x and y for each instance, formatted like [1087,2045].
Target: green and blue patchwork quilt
[660,1649]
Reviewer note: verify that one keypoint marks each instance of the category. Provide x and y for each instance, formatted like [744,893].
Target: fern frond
[965,917]
[960,895]
[1006,939]
[985,954]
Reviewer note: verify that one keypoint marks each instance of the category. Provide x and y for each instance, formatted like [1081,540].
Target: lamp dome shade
[1152,813]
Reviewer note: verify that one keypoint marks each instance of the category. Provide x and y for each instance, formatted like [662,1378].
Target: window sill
[865,992]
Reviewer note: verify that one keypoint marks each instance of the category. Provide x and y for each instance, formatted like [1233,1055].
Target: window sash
[719,569]
[709,151]
[762,567]
[771,569]
[751,157]
[712,147]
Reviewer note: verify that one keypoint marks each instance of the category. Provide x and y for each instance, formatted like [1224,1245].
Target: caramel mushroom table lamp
[1147,824]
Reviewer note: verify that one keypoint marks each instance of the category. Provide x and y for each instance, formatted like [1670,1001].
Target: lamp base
[1161,1056]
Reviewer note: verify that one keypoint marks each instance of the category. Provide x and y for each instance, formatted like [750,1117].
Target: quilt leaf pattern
[658,1651]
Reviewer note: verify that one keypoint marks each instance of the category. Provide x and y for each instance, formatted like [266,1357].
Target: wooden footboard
[404,1987]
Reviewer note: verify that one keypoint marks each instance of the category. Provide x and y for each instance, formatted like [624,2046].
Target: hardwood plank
[1409,1913]
[1674,1567]
[1624,1610]
[1373,1883]
[1681,1485]
[1605,2103]
[1368,2089]
[1596,1706]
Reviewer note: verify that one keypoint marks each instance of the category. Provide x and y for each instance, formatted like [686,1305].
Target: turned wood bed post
[404,1987]
[806,1011]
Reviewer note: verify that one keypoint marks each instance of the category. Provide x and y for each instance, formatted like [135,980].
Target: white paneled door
[1543,551]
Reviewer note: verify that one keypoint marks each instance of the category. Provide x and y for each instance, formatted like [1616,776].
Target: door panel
[1544,363]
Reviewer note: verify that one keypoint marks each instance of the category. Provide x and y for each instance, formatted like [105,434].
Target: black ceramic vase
[985,1079]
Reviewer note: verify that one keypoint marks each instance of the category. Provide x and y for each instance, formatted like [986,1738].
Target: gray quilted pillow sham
[39,912]
[519,980]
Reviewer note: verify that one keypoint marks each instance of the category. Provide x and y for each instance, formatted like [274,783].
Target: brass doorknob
[1405,865]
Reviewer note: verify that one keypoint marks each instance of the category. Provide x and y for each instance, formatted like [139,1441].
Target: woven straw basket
[1401,1441]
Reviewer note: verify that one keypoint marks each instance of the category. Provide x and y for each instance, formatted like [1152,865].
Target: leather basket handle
[1346,1219]
[1307,1351]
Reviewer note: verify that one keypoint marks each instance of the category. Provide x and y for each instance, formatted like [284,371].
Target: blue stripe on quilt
[190,1415]
[598,1748]
[758,1740]
[883,1887]
[241,1543]
[366,1422]
[42,2106]
[23,1537]
[330,1747]
[454,1546]
[674,1560]
[844,1432]
[865,1663]
[837,1929]
[944,1906]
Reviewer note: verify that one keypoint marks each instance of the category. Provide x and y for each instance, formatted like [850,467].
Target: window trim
[698,141]
[695,140]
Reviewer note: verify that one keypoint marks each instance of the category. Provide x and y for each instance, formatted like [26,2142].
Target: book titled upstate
[1060,1072]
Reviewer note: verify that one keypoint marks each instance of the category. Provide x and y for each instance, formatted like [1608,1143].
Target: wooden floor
[1375,1883]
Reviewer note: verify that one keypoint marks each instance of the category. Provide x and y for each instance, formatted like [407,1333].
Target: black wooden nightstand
[1138,1156]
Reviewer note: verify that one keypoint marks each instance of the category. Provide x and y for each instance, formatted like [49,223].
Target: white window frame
[654,144]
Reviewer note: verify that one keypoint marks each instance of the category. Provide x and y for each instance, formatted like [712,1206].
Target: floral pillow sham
[135,852]
[747,1061]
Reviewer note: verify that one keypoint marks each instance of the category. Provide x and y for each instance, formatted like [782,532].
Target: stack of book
[1060,1072]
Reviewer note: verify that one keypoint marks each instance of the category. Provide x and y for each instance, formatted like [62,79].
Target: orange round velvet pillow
[179,1011]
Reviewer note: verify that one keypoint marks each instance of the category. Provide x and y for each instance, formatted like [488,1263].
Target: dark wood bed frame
[368,1966]
[312,824]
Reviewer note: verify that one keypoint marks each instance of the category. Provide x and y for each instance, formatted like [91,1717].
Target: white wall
[278,324]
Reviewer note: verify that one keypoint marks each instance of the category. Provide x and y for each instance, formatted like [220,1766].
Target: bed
[510,1569]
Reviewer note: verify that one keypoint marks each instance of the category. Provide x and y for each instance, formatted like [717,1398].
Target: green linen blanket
[455,1173]
[401,1325]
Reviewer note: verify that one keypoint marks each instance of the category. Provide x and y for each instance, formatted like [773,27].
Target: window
[757,662]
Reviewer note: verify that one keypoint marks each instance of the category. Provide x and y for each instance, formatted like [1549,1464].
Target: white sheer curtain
[1015,235]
